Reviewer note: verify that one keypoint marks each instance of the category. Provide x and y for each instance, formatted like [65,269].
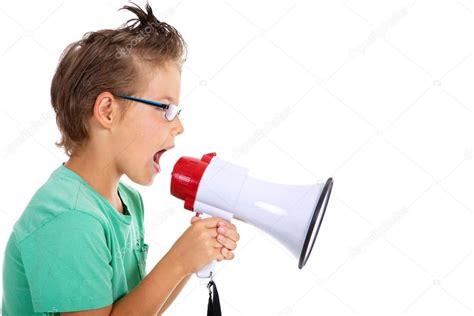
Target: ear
[104,110]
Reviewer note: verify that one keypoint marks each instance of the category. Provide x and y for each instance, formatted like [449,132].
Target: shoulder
[58,201]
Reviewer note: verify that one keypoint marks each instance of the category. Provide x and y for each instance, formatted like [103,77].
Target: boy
[78,248]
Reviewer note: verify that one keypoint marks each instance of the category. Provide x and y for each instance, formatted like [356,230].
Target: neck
[101,174]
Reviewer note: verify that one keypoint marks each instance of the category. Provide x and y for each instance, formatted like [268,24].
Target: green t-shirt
[71,250]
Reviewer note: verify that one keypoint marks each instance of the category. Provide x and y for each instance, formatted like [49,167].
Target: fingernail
[221,230]
[220,238]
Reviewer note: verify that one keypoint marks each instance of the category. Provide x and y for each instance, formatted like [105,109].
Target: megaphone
[292,214]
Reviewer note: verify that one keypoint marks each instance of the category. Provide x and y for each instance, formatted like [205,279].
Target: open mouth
[156,158]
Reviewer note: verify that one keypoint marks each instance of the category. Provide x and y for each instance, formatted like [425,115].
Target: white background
[377,94]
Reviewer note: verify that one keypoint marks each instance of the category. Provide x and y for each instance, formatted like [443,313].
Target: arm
[175,294]
[152,293]
[180,286]
[149,297]
[163,284]
[230,233]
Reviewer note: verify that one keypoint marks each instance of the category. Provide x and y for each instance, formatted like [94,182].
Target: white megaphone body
[292,214]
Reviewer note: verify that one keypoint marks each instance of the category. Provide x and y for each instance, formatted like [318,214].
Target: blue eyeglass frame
[164,106]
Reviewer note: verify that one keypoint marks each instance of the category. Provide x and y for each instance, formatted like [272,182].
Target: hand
[197,246]
[227,236]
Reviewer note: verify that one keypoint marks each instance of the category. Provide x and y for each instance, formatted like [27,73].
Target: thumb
[212,222]
[194,219]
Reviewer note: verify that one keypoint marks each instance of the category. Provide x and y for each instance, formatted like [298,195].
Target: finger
[225,223]
[229,233]
[228,255]
[213,233]
[226,242]
[211,222]
[219,255]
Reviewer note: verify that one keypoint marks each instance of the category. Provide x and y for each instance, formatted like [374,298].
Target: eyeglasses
[171,110]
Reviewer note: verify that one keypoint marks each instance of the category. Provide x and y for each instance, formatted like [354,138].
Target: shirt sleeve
[68,264]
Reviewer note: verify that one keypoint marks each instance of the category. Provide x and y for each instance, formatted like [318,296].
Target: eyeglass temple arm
[162,105]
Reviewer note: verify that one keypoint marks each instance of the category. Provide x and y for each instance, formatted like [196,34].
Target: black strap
[214,305]
[125,208]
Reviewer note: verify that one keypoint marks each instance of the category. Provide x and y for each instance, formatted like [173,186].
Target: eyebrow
[172,100]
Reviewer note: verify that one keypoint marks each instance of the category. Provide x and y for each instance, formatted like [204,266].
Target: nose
[178,128]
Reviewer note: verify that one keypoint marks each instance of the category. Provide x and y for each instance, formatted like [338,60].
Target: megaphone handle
[205,272]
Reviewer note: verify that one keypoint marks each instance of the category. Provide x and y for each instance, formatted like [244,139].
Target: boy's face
[144,130]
